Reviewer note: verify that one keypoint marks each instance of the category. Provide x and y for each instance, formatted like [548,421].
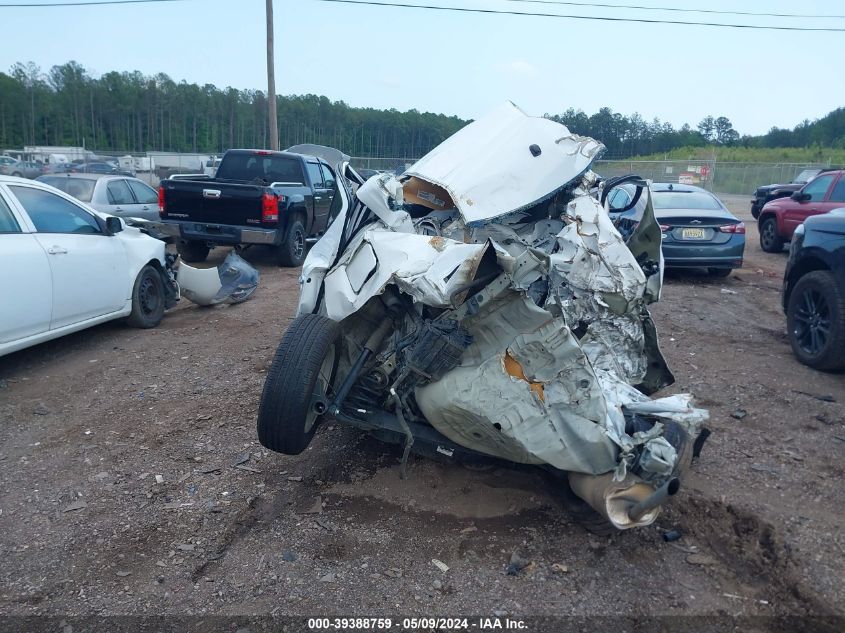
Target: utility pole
[271,82]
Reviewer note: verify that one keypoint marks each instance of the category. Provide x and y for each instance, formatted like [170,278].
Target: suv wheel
[815,318]
[770,239]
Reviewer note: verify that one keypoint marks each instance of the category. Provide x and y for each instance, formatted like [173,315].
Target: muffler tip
[657,498]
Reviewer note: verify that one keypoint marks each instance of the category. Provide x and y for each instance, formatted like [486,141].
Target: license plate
[692,234]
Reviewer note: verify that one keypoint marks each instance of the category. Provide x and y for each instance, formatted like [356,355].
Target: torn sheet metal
[233,281]
[560,351]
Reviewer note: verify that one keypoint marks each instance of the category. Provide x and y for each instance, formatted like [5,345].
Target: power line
[83,3]
[653,8]
[582,17]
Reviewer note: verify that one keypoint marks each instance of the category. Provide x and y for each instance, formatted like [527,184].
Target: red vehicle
[779,218]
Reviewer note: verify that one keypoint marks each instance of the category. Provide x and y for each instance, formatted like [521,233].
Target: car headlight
[799,230]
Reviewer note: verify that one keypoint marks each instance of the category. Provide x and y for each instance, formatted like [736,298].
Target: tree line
[128,111]
[132,112]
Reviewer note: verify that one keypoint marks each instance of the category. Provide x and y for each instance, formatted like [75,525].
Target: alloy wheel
[812,322]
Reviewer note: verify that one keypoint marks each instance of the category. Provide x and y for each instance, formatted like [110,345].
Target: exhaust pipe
[626,504]
[657,499]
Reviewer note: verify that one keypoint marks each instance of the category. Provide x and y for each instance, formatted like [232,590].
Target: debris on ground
[76,505]
[440,565]
[700,559]
[672,535]
[516,564]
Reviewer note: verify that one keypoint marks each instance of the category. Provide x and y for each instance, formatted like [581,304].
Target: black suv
[814,291]
[767,193]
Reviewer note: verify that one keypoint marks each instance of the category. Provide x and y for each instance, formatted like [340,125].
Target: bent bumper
[689,255]
[224,233]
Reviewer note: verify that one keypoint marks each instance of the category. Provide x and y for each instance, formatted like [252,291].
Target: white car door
[24,278]
[87,266]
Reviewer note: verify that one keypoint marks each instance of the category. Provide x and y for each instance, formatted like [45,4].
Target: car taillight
[269,208]
[263,152]
[665,227]
[738,228]
[161,200]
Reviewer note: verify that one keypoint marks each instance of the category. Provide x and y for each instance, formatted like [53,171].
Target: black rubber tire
[286,398]
[831,355]
[719,272]
[148,299]
[291,252]
[192,251]
[770,239]
[17,174]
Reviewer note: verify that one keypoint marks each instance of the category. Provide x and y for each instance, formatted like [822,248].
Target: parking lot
[133,482]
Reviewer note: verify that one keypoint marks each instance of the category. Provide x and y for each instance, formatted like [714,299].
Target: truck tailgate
[212,202]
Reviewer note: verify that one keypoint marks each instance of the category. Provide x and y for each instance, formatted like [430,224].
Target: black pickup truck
[280,199]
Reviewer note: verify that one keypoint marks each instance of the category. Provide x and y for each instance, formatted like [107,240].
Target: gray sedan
[118,195]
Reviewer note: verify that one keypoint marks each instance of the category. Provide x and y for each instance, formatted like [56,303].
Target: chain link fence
[719,177]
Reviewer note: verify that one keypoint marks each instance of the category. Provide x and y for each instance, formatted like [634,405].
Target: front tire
[815,319]
[192,252]
[305,363]
[148,299]
[291,252]
[770,239]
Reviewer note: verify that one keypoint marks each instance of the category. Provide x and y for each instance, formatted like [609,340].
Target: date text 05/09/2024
[416,624]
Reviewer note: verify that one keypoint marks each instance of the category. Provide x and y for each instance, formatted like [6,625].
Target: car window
[79,188]
[807,175]
[248,167]
[315,175]
[818,187]
[684,200]
[838,193]
[53,214]
[328,177]
[143,192]
[8,224]
[118,193]
[619,199]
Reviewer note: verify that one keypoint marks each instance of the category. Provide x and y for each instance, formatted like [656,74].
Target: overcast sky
[462,63]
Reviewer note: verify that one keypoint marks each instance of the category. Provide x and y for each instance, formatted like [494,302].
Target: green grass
[822,155]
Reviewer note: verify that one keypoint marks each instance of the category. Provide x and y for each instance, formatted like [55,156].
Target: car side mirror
[800,196]
[113,225]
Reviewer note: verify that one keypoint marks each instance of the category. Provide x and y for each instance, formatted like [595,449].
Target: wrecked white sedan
[484,304]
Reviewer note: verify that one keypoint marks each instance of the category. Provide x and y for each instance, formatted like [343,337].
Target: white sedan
[65,267]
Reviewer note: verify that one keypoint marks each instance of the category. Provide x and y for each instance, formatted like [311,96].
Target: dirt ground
[131,482]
